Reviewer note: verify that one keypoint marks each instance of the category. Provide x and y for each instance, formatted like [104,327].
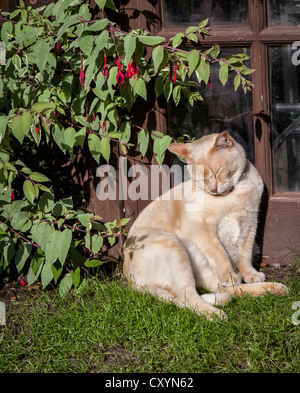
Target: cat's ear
[181,149]
[223,141]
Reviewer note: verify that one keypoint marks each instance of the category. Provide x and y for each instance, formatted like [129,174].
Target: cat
[173,247]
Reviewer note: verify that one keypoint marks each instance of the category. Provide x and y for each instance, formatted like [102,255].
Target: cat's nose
[214,189]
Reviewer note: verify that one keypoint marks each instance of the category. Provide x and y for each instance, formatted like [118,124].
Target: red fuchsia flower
[210,85]
[37,129]
[23,283]
[58,45]
[82,77]
[129,72]
[103,126]
[175,73]
[105,69]
[94,117]
[12,195]
[132,69]
[120,76]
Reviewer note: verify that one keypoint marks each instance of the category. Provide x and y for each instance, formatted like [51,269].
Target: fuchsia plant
[63,69]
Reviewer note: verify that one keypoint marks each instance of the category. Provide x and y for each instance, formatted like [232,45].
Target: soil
[17,291]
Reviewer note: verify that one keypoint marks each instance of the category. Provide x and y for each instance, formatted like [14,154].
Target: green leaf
[237,81]
[17,62]
[75,275]
[177,94]
[101,4]
[43,107]
[59,209]
[193,37]
[65,26]
[42,50]
[46,275]
[65,285]
[123,222]
[168,88]
[3,125]
[101,40]
[46,202]
[203,69]
[63,244]
[94,146]
[143,141]
[215,50]
[40,234]
[22,255]
[56,271]
[139,87]
[15,13]
[223,73]
[129,47]
[6,31]
[36,266]
[20,125]
[191,29]
[149,40]
[159,86]
[28,190]
[160,147]
[51,250]
[110,4]
[97,242]
[86,44]
[193,60]
[157,57]
[105,148]
[21,222]
[38,177]
[99,25]
[93,263]
[177,40]
[26,122]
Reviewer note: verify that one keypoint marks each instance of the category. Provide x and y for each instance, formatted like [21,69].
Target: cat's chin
[223,193]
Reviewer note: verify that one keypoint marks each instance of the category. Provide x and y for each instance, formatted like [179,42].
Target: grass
[111,328]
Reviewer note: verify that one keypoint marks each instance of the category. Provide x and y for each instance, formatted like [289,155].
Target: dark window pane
[283,12]
[285,108]
[222,109]
[220,12]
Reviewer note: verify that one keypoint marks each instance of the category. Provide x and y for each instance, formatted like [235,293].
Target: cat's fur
[171,249]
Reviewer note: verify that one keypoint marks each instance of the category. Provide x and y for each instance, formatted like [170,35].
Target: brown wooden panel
[282,228]
[4,5]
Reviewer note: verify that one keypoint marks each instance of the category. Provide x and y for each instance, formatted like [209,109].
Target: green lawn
[111,328]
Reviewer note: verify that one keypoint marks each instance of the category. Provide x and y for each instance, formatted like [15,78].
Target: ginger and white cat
[171,249]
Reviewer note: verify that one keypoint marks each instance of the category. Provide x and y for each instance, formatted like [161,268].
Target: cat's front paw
[230,279]
[253,276]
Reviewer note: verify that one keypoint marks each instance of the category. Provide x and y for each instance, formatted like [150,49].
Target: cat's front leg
[248,272]
[217,257]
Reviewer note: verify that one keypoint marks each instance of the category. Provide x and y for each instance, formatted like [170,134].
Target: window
[221,12]
[218,111]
